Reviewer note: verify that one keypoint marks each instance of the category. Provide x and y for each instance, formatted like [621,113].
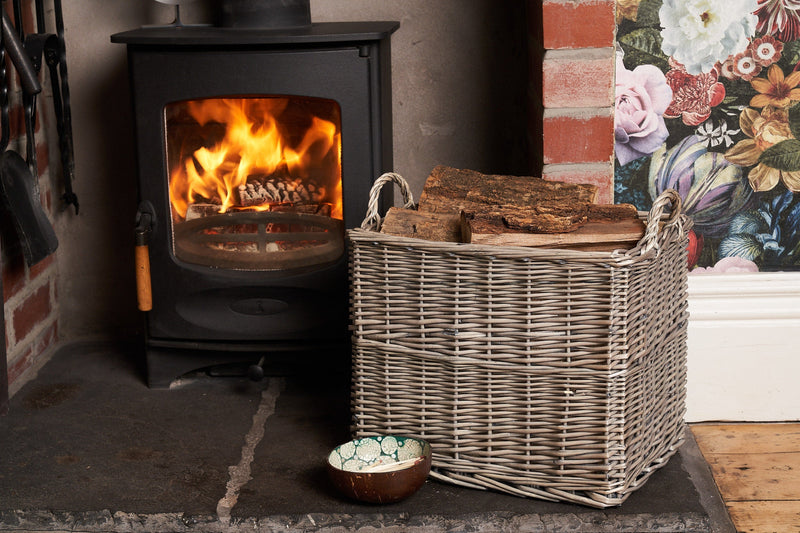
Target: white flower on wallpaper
[700,33]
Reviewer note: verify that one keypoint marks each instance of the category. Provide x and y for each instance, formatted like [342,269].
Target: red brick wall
[576,91]
[29,293]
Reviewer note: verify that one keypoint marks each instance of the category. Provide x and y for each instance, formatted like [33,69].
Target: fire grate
[260,240]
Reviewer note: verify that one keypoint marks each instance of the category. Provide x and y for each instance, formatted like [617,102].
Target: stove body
[212,304]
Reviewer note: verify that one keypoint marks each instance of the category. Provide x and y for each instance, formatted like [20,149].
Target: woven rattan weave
[551,374]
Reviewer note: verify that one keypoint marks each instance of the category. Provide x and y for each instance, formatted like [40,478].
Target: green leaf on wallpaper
[784,155]
[791,53]
[647,15]
[794,120]
[643,46]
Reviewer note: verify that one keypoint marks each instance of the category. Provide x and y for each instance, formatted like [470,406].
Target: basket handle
[668,198]
[372,221]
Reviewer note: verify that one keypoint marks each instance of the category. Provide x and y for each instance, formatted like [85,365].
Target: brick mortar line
[30,286]
[17,348]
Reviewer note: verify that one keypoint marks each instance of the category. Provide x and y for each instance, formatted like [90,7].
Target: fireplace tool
[52,48]
[3,142]
[55,53]
[18,186]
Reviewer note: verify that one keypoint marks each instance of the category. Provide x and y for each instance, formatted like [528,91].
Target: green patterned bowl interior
[363,455]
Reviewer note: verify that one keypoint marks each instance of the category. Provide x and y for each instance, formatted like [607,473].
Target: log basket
[551,374]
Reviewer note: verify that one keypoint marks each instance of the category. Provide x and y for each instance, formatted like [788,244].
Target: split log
[451,190]
[609,227]
[540,219]
[443,227]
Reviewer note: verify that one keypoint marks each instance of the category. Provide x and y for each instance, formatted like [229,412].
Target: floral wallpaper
[708,103]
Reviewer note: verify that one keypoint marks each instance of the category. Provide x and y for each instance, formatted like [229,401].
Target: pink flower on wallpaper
[779,18]
[729,265]
[693,96]
[642,96]
[766,50]
[745,66]
[760,53]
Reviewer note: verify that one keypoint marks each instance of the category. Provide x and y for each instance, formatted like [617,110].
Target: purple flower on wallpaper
[713,189]
[642,96]
[779,18]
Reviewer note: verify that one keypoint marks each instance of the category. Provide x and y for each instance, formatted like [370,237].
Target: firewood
[609,227]
[201,211]
[500,209]
[612,212]
[274,189]
[451,190]
[443,227]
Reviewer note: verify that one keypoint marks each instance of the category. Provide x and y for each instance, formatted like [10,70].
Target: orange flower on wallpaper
[776,90]
[764,129]
[627,9]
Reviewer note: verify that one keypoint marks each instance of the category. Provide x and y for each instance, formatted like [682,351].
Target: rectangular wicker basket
[551,374]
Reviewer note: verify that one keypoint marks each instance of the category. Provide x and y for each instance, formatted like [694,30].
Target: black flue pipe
[265,14]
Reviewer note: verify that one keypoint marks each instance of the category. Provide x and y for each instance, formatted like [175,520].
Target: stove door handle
[144,227]
[144,291]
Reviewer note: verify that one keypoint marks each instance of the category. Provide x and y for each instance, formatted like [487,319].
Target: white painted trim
[743,359]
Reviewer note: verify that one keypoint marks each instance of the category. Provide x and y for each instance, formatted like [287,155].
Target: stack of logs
[466,206]
[278,192]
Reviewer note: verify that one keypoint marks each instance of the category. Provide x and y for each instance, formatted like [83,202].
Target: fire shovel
[18,186]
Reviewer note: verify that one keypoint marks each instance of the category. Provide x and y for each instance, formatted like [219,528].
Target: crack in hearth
[239,475]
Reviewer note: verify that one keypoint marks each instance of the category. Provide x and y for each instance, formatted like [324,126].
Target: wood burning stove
[256,150]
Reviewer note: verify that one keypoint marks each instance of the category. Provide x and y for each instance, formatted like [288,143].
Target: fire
[258,143]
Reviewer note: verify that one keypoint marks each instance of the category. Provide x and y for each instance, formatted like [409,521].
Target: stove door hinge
[364,50]
[145,222]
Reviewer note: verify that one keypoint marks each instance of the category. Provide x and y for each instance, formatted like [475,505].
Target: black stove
[256,150]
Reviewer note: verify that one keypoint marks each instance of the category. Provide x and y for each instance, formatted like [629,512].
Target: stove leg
[165,365]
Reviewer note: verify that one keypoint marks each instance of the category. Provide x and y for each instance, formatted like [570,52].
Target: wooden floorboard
[765,516]
[757,470]
[744,438]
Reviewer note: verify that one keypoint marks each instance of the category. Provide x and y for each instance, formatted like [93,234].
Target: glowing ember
[256,154]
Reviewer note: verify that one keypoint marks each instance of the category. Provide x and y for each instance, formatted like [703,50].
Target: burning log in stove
[269,193]
[260,190]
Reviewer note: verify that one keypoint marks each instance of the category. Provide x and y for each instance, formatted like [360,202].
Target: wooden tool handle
[144,293]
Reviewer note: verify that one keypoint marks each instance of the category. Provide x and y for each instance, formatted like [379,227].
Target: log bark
[443,227]
[451,190]
[609,227]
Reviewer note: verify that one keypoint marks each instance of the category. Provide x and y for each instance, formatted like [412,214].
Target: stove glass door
[255,183]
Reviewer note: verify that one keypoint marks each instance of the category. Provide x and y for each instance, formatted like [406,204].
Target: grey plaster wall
[459,89]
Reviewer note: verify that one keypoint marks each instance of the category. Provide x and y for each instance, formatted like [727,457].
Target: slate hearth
[87,446]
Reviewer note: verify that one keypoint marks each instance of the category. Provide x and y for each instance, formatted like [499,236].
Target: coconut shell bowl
[381,469]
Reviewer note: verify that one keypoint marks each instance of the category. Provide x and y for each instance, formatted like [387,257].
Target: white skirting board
[744,357]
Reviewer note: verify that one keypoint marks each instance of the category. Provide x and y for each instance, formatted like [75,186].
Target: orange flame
[256,142]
